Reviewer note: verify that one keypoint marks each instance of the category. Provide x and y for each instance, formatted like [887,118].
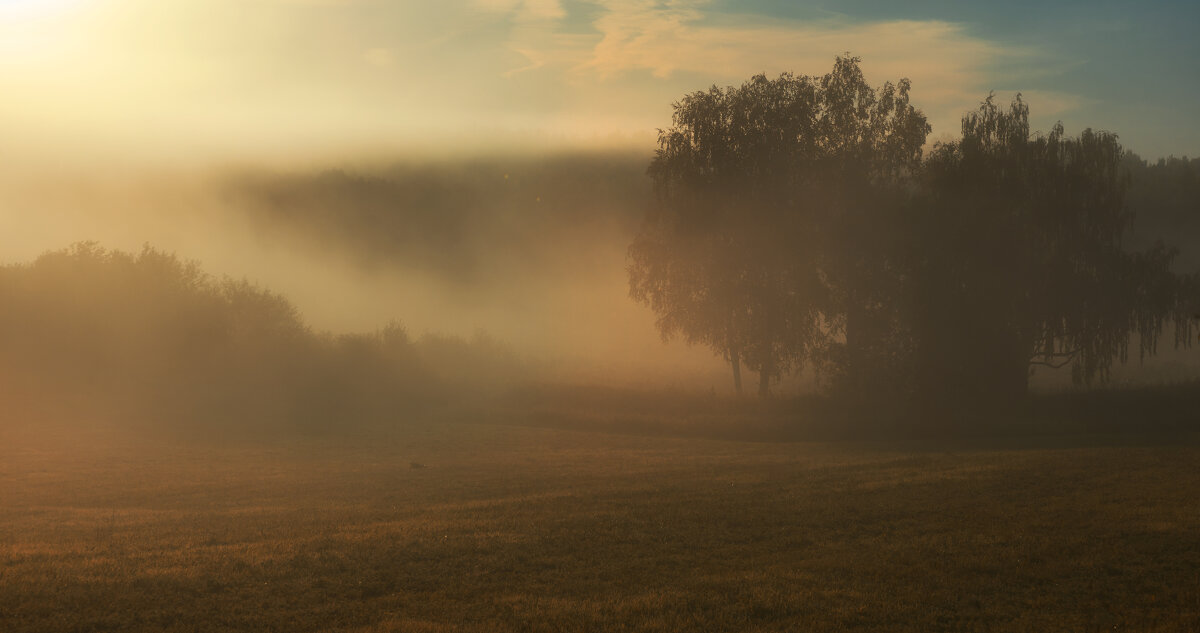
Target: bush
[154,337]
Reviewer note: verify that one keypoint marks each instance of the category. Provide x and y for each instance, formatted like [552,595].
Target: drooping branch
[1046,360]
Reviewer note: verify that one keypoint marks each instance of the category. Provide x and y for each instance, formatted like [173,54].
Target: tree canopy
[1023,262]
[799,223]
[751,182]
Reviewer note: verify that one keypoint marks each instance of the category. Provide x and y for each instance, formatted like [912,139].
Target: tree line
[802,223]
[147,336]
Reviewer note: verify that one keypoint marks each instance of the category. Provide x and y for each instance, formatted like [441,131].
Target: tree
[867,175]
[1021,260]
[761,189]
[798,224]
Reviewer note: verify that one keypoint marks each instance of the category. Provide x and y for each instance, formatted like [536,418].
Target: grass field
[464,527]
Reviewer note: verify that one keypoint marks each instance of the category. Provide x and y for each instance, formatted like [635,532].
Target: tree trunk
[735,354]
[736,361]
[764,375]
[854,376]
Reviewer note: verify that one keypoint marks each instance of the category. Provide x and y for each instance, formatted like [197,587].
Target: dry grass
[522,529]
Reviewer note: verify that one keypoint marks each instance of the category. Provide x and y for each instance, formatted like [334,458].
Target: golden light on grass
[509,528]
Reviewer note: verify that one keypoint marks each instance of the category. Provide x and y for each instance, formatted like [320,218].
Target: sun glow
[31,28]
[26,8]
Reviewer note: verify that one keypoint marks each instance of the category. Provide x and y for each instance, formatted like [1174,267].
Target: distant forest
[471,221]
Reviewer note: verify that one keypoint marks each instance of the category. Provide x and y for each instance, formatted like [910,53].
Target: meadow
[441,525]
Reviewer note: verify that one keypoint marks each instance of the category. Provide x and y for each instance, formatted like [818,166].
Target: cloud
[682,40]
[637,35]
[665,38]
[535,29]
[524,10]
[542,10]
[197,77]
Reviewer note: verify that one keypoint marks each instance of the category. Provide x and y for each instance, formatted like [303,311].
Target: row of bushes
[153,336]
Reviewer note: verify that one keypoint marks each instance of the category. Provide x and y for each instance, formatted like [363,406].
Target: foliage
[1164,197]
[1023,259]
[798,225]
[752,184]
[153,336]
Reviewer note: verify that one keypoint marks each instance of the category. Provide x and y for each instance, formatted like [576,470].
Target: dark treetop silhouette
[797,224]
[752,183]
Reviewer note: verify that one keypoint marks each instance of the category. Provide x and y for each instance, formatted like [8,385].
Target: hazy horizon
[125,121]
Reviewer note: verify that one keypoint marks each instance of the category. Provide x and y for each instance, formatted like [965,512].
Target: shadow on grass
[1149,415]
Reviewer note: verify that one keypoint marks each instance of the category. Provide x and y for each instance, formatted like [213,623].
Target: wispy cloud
[951,69]
[524,10]
[285,73]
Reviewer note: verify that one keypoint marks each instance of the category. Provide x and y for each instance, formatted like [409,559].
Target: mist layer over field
[529,248]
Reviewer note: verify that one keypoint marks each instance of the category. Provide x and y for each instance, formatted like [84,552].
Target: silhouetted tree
[865,181]
[1021,262]
[797,224]
[763,190]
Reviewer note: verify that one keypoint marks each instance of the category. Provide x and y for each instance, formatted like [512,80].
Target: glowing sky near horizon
[219,78]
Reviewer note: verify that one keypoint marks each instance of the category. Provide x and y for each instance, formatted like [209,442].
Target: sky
[147,80]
